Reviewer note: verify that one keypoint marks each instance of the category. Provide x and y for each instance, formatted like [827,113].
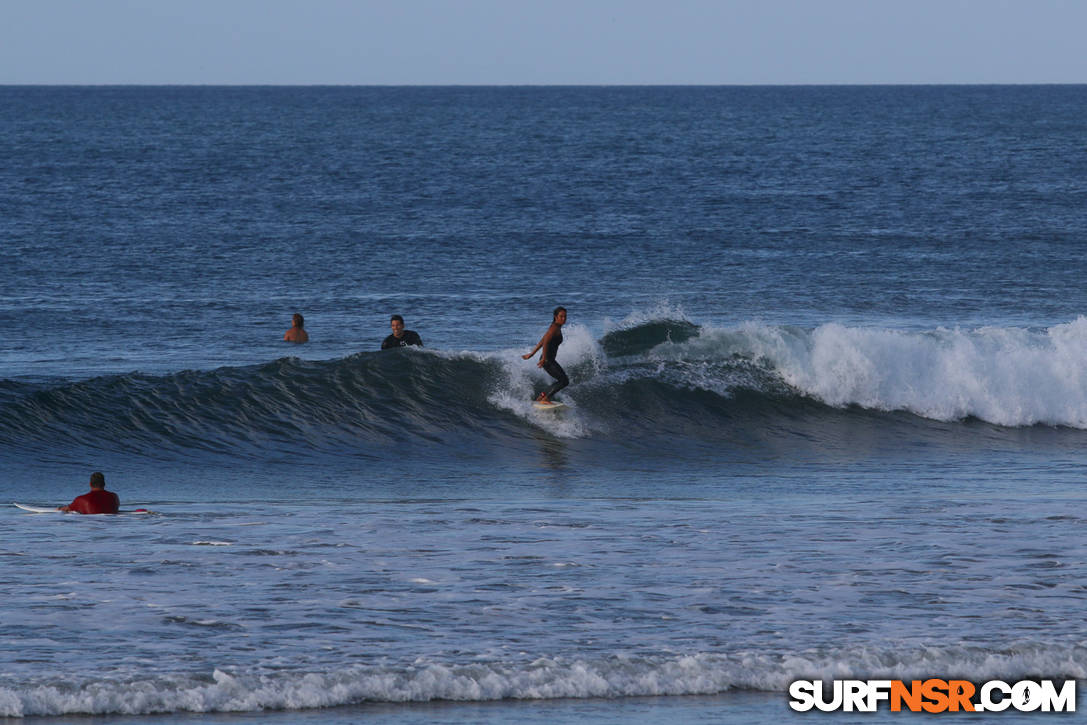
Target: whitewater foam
[1007,376]
[621,675]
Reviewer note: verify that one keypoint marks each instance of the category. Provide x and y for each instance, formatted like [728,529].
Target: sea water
[827,416]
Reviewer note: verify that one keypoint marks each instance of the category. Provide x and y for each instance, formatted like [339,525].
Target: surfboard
[37,509]
[41,510]
[547,406]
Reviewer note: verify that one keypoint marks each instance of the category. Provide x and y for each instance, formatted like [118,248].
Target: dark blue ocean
[827,418]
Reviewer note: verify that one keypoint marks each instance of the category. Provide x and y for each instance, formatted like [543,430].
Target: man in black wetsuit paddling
[400,336]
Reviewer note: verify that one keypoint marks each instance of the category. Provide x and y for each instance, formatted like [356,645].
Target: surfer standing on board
[98,501]
[550,343]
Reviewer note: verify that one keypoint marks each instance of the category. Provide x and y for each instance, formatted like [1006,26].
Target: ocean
[827,417]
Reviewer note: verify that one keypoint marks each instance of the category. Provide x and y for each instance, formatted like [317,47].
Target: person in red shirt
[98,501]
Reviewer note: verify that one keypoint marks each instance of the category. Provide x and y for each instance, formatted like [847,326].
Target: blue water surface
[827,415]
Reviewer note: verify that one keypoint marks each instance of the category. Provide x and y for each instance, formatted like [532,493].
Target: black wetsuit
[410,337]
[552,367]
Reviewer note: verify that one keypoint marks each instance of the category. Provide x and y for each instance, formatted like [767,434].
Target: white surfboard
[547,406]
[42,510]
[37,509]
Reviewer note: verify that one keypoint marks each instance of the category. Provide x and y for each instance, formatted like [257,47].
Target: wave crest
[659,377]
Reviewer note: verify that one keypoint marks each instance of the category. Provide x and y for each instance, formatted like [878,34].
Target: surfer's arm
[538,346]
[541,344]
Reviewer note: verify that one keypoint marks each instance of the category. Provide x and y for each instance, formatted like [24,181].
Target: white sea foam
[621,675]
[1007,376]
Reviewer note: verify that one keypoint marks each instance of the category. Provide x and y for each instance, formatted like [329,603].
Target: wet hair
[98,480]
[397,318]
[297,320]
[556,312]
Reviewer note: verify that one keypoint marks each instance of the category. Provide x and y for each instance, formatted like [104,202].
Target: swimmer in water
[297,333]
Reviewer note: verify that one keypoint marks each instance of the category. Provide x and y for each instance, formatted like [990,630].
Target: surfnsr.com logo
[933,695]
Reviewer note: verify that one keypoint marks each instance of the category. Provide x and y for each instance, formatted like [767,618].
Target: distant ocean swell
[656,377]
[545,678]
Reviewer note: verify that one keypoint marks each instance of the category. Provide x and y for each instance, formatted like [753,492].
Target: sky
[541,42]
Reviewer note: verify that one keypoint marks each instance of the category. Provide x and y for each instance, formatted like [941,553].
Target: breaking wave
[620,675]
[654,377]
